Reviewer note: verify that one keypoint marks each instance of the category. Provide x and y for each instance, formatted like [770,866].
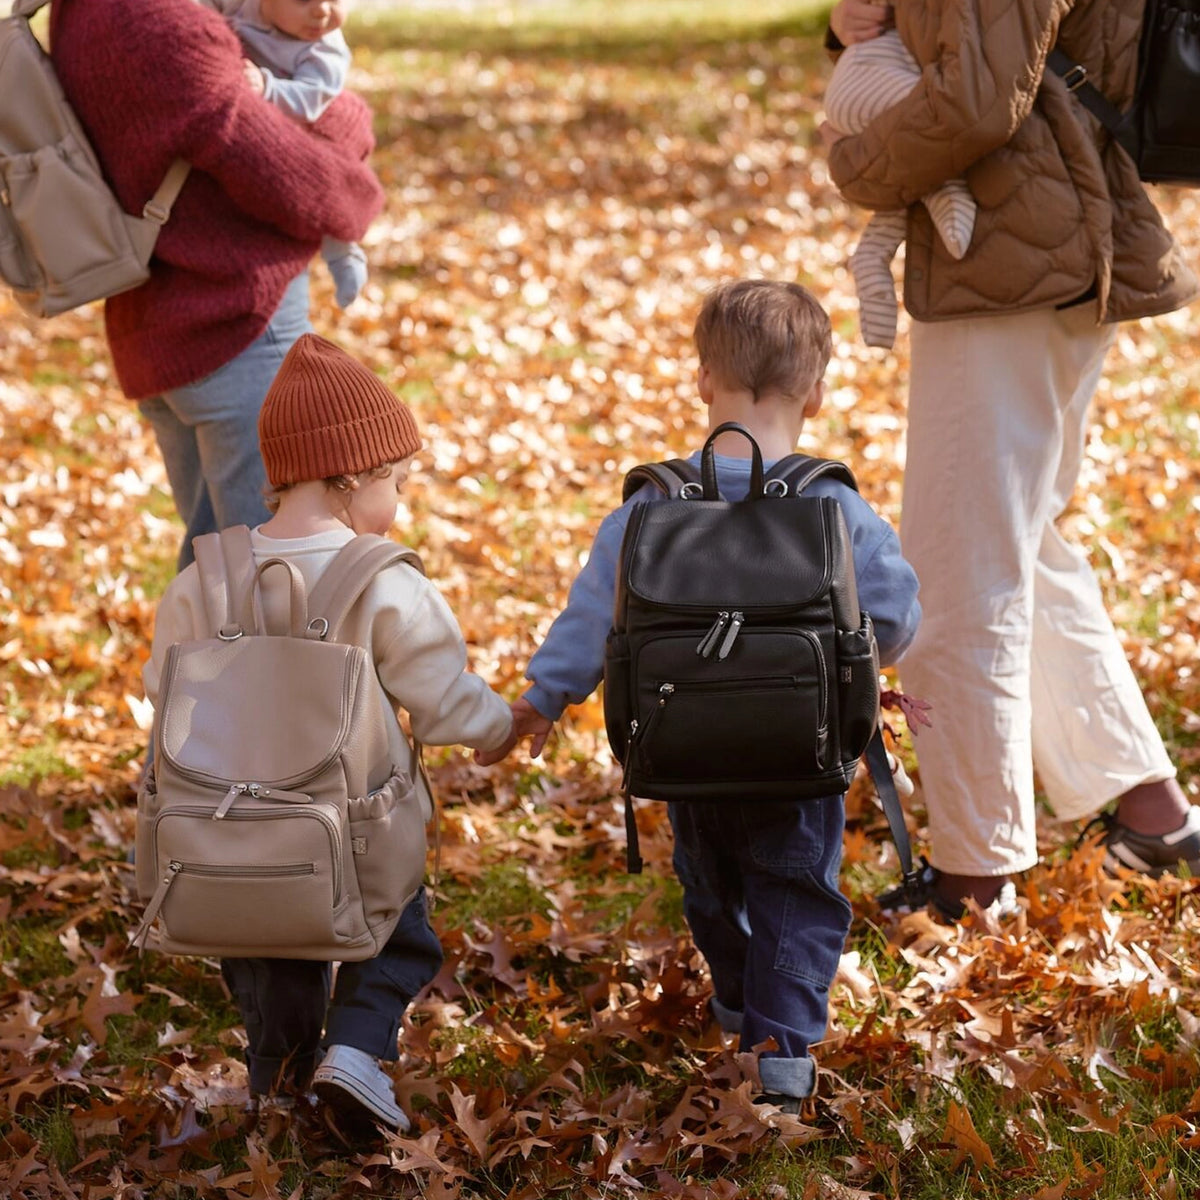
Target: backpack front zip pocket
[215,888]
[329,825]
[264,871]
[710,727]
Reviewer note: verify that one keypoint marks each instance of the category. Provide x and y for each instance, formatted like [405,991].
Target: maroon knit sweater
[153,80]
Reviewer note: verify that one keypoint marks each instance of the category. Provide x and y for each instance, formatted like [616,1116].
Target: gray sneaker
[1153,854]
[352,1082]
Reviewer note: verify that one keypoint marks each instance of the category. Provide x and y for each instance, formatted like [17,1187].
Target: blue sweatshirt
[569,665]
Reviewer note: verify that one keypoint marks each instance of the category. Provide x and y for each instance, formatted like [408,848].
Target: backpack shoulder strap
[668,477]
[225,562]
[1076,78]
[347,577]
[797,471]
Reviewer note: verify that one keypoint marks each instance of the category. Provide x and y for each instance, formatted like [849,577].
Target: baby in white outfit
[868,78]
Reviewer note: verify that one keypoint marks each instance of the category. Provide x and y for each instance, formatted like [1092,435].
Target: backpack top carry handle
[298,622]
[229,582]
[678,479]
[708,462]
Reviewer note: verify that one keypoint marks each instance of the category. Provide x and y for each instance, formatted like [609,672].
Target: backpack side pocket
[387,844]
[15,267]
[71,228]
[617,711]
[858,688]
[143,855]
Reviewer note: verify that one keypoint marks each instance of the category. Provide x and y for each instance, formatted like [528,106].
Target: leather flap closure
[226,707]
[751,555]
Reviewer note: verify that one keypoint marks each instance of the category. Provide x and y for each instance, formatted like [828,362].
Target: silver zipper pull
[139,936]
[234,792]
[735,627]
[665,693]
[633,732]
[708,642]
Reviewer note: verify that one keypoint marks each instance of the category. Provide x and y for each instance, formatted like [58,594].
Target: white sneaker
[352,1081]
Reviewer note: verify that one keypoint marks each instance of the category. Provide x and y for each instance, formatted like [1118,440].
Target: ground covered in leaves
[559,198]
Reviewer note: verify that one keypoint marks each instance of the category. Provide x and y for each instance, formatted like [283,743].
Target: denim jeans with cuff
[760,893]
[285,1002]
[207,431]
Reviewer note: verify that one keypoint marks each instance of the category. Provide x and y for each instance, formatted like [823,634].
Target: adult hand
[527,722]
[859,20]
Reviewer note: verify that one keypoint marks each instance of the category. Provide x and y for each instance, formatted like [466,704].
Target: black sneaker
[911,894]
[921,892]
[1153,854]
[791,1105]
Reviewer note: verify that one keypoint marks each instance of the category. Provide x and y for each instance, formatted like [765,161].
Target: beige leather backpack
[64,238]
[273,823]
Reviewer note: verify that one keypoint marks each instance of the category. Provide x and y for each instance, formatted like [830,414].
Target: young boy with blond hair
[338,445]
[760,879]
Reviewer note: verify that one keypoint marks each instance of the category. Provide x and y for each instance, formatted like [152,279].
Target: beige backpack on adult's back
[273,822]
[64,238]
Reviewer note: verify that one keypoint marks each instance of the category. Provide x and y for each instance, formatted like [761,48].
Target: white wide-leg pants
[1016,652]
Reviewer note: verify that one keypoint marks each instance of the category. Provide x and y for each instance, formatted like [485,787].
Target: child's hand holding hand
[527,722]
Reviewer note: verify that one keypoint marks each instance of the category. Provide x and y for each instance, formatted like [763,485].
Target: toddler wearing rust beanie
[327,415]
[337,445]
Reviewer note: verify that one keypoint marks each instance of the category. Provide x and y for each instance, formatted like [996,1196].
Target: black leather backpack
[1161,129]
[739,664]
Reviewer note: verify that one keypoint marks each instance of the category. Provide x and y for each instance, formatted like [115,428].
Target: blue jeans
[207,431]
[285,1002]
[760,893]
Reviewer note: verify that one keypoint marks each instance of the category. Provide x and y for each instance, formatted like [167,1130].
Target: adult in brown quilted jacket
[1016,652]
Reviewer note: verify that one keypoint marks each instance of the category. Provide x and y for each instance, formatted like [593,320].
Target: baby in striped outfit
[868,78]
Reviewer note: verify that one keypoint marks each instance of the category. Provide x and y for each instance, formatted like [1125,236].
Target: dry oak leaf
[420,1154]
[1089,1107]
[98,1007]
[478,1130]
[966,1142]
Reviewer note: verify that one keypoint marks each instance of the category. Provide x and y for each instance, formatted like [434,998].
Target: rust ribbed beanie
[326,414]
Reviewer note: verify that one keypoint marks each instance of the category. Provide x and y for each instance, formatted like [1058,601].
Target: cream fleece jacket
[419,652]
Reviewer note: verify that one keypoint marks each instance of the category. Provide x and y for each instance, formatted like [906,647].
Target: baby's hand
[527,722]
[828,135]
[254,76]
[859,20]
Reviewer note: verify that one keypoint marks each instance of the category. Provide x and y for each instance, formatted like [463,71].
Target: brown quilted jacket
[1061,209]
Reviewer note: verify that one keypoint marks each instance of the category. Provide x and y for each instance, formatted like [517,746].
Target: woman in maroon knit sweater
[199,343]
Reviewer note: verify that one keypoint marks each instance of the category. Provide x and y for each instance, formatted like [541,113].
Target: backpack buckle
[319,627]
[230,633]
[1076,77]
[691,491]
[775,487]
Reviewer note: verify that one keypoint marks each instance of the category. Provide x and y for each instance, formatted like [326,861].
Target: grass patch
[35,763]
[501,892]
[51,1127]
[602,27]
